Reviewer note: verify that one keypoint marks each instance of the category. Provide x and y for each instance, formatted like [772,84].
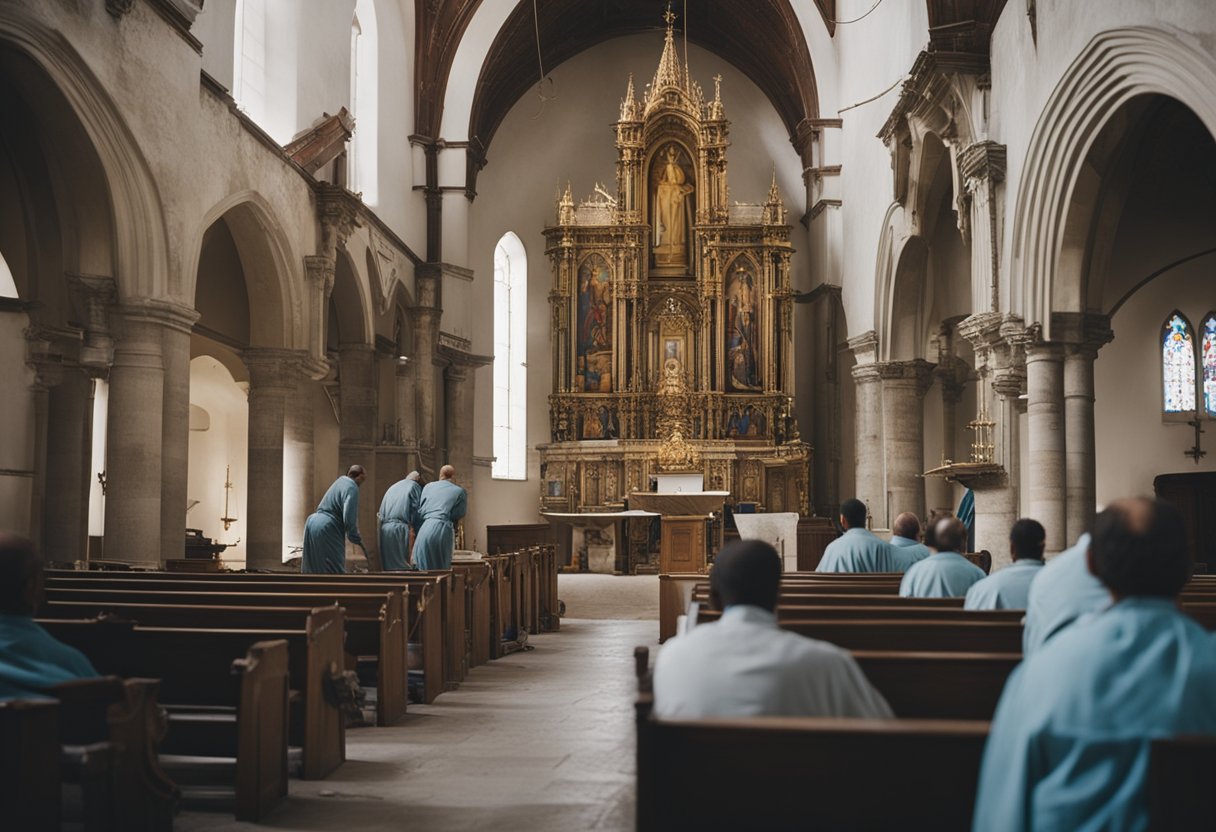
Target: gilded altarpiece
[671,321]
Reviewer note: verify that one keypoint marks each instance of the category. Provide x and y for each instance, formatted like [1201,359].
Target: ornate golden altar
[671,321]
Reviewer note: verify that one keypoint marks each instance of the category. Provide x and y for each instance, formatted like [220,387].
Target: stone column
[175,429]
[868,485]
[298,467]
[951,375]
[1083,336]
[1045,414]
[134,435]
[359,417]
[458,417]
[995,513]
[426,335]
[982,167]
[904,384]
[272,381]
[407,420]
[65,521]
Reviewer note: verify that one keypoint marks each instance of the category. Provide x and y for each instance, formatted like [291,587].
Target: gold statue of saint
[671,226]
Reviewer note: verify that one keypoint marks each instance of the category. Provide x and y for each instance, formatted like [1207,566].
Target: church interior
[646,275]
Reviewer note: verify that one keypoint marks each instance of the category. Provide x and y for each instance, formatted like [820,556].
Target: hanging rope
[877,3]
[875,97]
[540,62]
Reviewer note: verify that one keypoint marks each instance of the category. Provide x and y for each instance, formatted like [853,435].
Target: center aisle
[538,740]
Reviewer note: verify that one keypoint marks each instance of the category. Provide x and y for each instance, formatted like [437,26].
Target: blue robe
[1063,591]
[1069,745]
[31,660]
[327,529]
[941,575]
[442,503]
[398,513]
[905,551]
[857,550]
[1005,589]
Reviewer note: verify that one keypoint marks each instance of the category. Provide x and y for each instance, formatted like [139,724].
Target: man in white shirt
[744,665]
[1009,588]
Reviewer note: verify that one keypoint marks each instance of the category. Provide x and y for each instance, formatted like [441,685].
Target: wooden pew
[890,612]
[931,635]
[376,614]
[195,670]
[30,785]
[477,585]
[804,773]
[938,685]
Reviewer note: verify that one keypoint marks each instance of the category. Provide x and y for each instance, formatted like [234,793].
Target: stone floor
[538,740]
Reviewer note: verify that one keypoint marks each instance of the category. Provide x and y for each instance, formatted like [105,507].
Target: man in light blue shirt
[398,514]
[1009,588]
[1069,745]
[335,521]
[1062,592]
[945,573]
[745,665]
[857,550]
[442,503]
[906,548]
[31,660]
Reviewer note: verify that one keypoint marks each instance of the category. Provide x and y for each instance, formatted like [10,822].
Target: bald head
[447,472]
[356,473]
[414,476]
[20,576]
[1138,548]
[907,525]
[949,535]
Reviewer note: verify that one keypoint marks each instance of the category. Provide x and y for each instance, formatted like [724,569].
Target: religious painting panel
[600,422]
[593,357]
[672,184]
[745,421]
[742,328]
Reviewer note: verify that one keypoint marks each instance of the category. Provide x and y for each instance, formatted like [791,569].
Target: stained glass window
[1208,351]
[1178,364]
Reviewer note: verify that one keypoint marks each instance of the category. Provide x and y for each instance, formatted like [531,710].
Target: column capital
[982,162]
[918,371]
[1082,333]
[864,346]
[96,294]
[866,373]
[1044,351]
[338,211]
[275,369]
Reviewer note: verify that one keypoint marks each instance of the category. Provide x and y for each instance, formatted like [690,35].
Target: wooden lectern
[682,543]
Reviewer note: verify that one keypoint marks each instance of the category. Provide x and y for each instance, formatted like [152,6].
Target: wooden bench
[378,615]
[30,778]
[802,773]
[939,685]
[195,668]
[929,635]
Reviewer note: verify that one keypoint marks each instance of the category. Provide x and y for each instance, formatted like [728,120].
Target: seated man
[744,665]
[1009,588]
[1062,592]
[945,573]
[30,659]
[857,550]
[1069,745]
[906,548]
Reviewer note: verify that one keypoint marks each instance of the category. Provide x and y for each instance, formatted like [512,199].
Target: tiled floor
[539,740]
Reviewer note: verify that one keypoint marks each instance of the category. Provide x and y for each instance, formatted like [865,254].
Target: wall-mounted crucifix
[1196,452]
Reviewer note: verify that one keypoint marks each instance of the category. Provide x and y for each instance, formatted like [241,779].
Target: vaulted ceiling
[761,37]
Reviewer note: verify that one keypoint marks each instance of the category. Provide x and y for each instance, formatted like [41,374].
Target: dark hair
[1027,537]
[1139,548]
[950,535]
[854,513]
[19,565]
[746,572]
[906,525]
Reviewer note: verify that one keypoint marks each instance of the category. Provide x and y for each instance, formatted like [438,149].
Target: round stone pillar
[1046,498]
[868,420]
[904,384]
[175,428]
[134,435]
[1079,439]
[272,381]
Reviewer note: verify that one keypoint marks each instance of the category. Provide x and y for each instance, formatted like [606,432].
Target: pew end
[30,765]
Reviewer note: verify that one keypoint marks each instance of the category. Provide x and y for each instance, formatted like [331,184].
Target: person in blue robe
[398,514]
[1063,592]
[906,548]
[858,549]
[1069,745]
[442,503]
[945,573]
[31,660]
[335,521]
[1009,588]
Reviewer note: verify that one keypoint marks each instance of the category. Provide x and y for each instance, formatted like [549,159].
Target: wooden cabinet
[682,544]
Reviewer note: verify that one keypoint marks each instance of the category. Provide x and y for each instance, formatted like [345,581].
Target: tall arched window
[510,359]
[364,101]
[1178,364]
[249,58]
[1207,334]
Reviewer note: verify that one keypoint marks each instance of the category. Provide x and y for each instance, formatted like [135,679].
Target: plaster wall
[536,151]
[1134,443]
[224,442]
